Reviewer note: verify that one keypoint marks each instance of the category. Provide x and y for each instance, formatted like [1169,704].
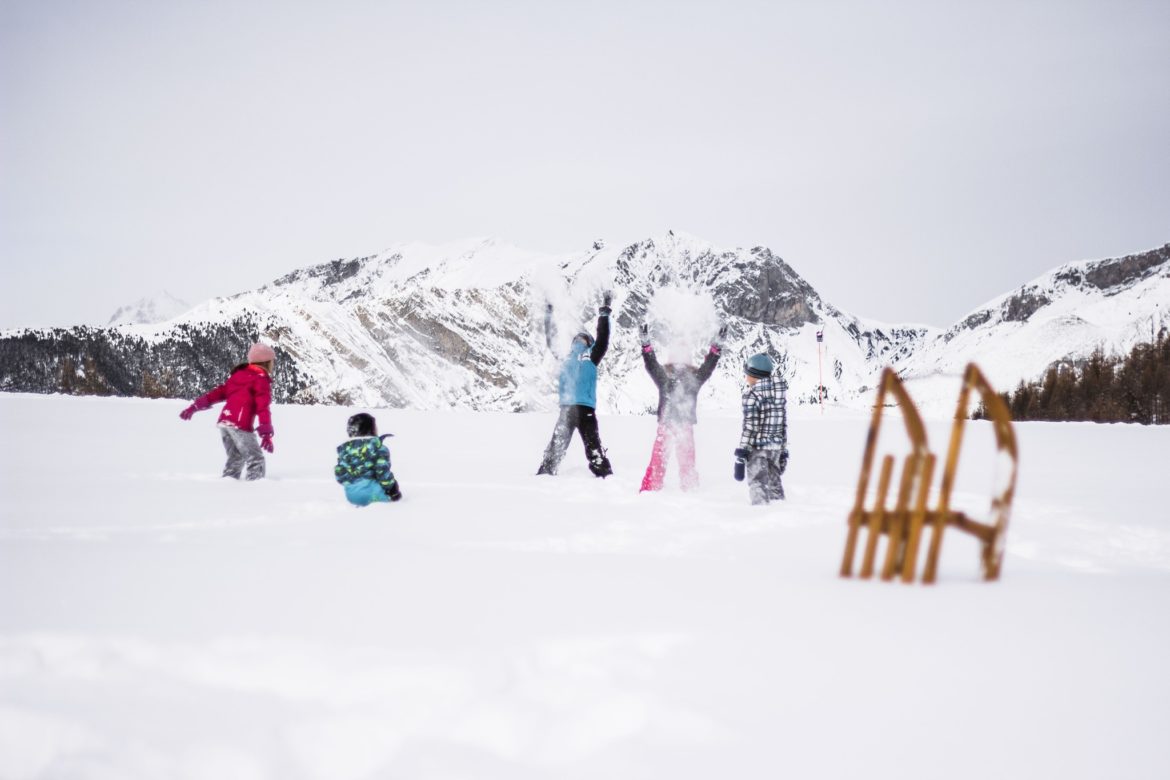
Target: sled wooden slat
[917,519]
[876,517]
[895,548]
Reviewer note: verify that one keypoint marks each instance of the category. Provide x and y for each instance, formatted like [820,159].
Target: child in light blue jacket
[578,396]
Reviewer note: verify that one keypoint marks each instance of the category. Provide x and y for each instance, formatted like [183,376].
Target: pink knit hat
[260,353]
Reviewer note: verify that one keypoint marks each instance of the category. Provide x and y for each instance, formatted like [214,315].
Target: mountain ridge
[461,326]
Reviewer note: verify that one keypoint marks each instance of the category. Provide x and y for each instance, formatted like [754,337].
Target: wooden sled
[910,515]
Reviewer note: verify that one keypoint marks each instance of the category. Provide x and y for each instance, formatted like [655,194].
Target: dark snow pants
[243,449]
[763,473]
[582,419]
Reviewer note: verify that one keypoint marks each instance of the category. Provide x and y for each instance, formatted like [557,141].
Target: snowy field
[158,622]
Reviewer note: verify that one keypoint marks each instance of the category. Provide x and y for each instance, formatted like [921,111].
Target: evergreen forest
[1134,388]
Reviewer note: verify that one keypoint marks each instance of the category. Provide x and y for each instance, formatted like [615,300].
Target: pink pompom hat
[260,353]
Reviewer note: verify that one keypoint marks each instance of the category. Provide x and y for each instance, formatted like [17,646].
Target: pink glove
[188,413]
[266,443]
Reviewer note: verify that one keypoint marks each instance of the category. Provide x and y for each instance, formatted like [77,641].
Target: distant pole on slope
[820,372]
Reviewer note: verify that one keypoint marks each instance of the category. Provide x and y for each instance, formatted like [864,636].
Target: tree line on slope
[1134,388]
[107,361]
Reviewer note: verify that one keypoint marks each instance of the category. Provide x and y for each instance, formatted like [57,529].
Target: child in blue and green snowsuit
[363,464]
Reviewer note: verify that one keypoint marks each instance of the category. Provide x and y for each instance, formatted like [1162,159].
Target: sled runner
[904,523]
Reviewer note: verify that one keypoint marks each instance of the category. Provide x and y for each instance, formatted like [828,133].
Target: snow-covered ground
[159,622]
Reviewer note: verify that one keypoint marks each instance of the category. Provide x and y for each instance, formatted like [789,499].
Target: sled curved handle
[1001,502]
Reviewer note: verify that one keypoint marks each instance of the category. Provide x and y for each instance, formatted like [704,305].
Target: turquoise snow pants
[364,492]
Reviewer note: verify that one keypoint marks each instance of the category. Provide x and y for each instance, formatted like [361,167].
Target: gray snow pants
[243,449]
[763,476]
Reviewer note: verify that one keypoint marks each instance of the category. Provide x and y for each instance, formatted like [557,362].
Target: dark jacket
[678,386]
[248,394]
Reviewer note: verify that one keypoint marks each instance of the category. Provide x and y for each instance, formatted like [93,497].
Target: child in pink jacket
[247,395]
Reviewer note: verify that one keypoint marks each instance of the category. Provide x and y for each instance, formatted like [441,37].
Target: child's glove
[266,443]
[189,412]
[783,461]
[606,299]
[394,493]
[645,331]
[719,340]
[741,456]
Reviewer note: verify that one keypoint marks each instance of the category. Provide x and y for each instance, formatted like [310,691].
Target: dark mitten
[606,300]
[783,461]
[266,443]
[394,493]
[189,412]
[741,456]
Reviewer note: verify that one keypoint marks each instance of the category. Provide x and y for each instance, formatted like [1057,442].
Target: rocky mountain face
[463,326]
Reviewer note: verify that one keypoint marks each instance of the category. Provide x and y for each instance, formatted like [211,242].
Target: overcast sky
[910,159]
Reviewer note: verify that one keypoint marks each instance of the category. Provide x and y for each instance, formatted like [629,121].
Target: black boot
[599,464]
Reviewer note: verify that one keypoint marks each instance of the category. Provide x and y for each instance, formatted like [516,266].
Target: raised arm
[708,366]
[601,344]
[550,328]
[712,358]
[650,360]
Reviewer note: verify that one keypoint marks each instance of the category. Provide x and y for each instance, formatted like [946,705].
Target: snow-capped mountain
[462,326]
[1061,316]
[149,310]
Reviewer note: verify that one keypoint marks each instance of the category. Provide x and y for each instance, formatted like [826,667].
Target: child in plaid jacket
[763,442]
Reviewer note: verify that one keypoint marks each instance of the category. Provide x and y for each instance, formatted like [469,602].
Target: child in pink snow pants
[678,392]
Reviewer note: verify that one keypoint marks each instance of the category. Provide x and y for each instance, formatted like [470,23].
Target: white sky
[911,159]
